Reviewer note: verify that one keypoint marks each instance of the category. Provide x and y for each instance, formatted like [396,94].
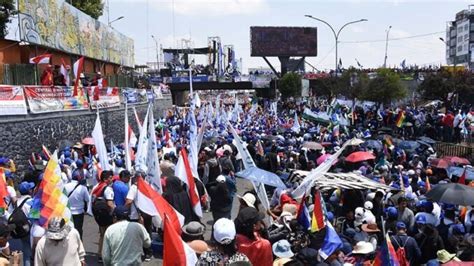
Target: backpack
[101,211]
[20,220]
[401,254]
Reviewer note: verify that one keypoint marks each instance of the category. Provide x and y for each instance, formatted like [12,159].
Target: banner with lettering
[44,99]
[12,101]
[104,97]
[135,96]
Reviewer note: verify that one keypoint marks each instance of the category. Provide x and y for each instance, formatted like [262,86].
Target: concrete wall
[22,135]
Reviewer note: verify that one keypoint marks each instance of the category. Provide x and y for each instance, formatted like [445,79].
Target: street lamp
[386,47]
[119,18]
[336,35]
[157,54]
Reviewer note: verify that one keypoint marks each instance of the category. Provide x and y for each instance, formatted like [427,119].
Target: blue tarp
[259,175]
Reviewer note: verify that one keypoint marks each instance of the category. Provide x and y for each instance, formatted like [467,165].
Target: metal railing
[451,149]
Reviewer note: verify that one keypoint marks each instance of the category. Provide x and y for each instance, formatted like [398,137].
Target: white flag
[248,162]
[99,143]
[296,124]
[128,160]
[142,149]
[152,163]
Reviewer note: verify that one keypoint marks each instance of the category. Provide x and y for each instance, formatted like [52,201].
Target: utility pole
[386,47]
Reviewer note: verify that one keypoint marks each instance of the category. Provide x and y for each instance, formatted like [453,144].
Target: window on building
[459,30]
[460,48]
[453,42]
[452,51]
[466,27]
[460,39]
[466,37]
[472,26]
[453,33]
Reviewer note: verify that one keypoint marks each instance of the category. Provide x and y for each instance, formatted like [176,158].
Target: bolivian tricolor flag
[400,119]
[318,217]
[3,191]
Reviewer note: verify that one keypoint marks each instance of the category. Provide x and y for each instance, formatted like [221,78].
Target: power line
[397,39]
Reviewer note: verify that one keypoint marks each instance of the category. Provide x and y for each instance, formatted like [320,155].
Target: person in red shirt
[447,123]
[249,241]
[47,76]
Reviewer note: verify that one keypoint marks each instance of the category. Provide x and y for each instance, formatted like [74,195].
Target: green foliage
[290,85]
[7,9]
[384,88]
[438,86]
[353,83]
[93,8]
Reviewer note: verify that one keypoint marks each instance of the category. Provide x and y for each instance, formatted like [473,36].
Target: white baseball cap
[220,179]
[224,231]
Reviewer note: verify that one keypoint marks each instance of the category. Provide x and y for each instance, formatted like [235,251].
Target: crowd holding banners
[332,184]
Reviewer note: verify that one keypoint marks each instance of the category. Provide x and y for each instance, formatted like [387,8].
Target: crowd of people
[332,226]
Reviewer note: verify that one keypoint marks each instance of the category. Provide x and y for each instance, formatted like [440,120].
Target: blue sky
[231,20]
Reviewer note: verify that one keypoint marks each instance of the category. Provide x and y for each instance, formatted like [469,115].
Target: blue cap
[392,212]
[421,219]
[119,162]
[67,154]
[401,225]
[25,187]
[330,216]
[68,161]
[458,229]
[79,163]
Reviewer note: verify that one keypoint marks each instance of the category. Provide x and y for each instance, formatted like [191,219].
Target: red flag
[78,67]
[462,179]
[185,174]
[317,222]
[175,251]
[41,59]
[152,203]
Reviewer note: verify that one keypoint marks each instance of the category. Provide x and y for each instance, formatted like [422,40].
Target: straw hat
[363,247]
[444,256]
[370,228]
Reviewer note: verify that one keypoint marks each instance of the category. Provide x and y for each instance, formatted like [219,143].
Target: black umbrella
[452,193]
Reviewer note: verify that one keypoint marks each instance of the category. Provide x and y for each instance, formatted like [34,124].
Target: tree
[290,85]
[93,8]
[7,9]
[353,83]
[385,88]
[442,84]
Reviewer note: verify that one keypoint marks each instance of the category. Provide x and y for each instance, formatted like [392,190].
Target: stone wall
[22,135]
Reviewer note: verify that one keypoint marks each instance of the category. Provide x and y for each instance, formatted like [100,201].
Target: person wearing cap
[249,224]
[402,240]
[193,235]
[223,250]
[124,241]
[24,202]
[78,199]
[61,245]
[221,201]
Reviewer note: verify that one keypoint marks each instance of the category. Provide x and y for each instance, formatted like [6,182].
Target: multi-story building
[460,39]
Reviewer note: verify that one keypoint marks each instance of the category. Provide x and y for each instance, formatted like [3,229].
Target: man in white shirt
[78,199]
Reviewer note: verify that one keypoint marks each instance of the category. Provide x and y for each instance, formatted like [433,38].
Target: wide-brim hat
[194,229]
[370,228]
[363,247]
[444,256]
[282,249]
[249,199]
[58,234]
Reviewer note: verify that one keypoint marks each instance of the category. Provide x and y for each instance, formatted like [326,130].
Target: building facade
[460,39]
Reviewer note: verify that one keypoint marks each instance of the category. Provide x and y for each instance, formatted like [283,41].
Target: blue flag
[332,242]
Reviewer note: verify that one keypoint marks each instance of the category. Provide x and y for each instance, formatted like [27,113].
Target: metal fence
[27,74]
[450,149]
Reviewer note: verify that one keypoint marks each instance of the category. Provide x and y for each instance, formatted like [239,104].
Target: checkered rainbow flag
[50,201]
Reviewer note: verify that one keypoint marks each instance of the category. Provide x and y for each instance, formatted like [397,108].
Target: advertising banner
[12,101]
[104,97]
[44,99]
[135,96]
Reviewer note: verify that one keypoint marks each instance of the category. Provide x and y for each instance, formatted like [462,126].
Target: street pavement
[91,229]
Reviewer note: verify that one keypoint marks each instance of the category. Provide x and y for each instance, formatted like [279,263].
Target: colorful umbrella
[440,163]
[313,145]
[88,141]
[359,156]
[456,160]
[323,158]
